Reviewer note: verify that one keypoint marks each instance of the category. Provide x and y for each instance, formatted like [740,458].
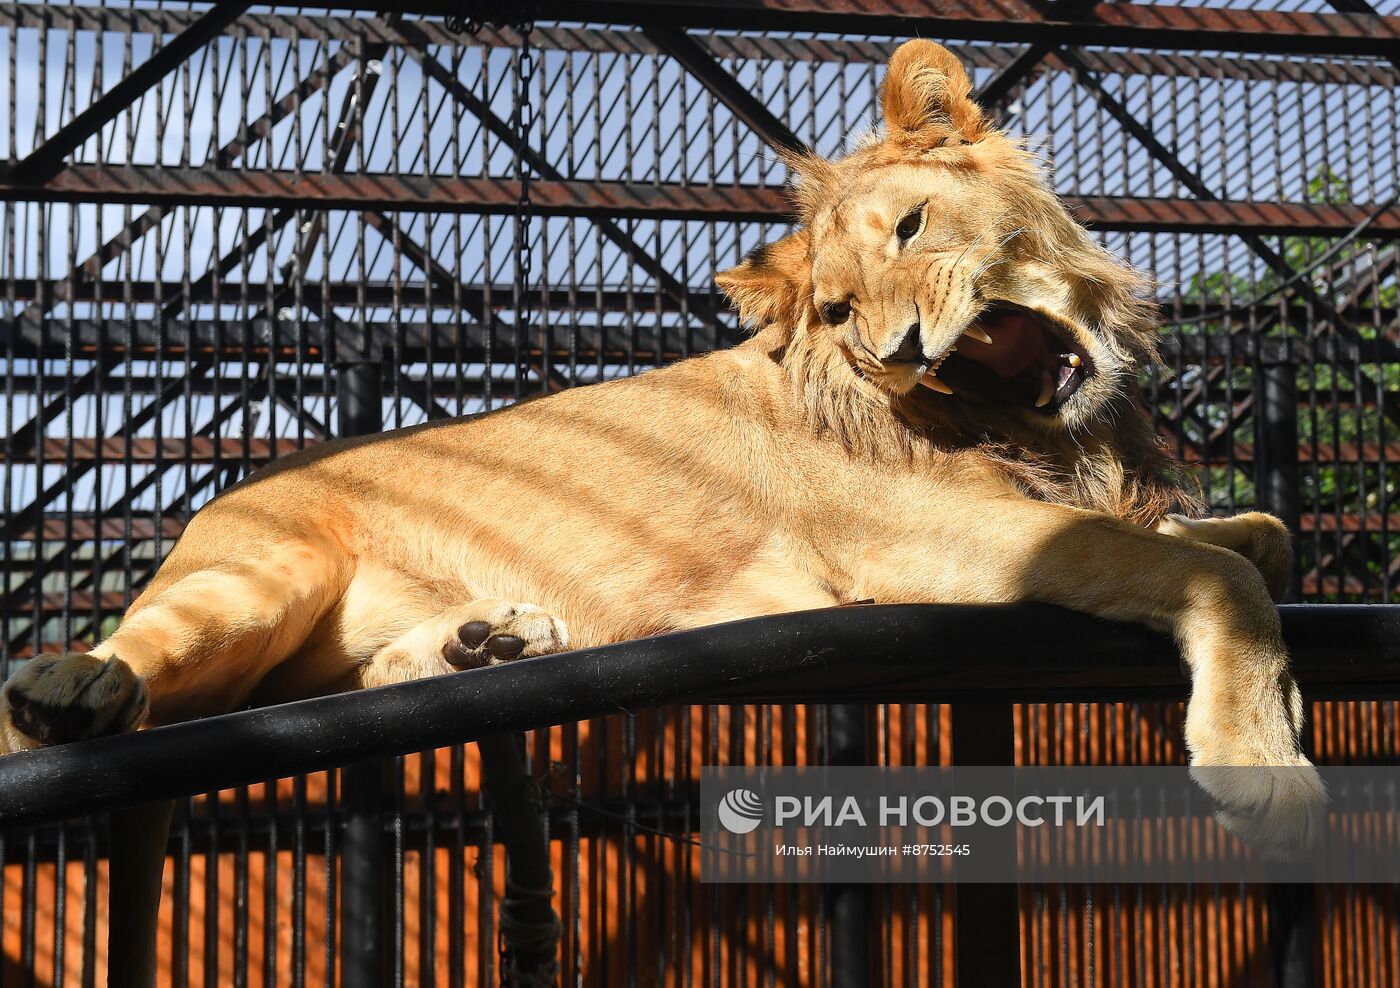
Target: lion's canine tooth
[1074,360]
[934,384]
[978,333]
[1047,391]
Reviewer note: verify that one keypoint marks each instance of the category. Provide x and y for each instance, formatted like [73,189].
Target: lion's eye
[835,313]
[909,226]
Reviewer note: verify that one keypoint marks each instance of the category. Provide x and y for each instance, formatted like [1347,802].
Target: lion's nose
[909,349]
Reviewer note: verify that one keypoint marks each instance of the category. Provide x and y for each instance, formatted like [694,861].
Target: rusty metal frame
[46,160]
[1134,25]
[171,186]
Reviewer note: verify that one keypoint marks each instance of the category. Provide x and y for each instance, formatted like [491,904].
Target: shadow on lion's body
[688,495]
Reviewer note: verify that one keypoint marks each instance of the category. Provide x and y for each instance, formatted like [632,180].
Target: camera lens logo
[740,811]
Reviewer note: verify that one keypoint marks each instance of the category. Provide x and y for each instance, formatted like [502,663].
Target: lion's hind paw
[54,699]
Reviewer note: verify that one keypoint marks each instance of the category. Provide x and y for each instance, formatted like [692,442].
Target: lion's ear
[927,89]
[771,282]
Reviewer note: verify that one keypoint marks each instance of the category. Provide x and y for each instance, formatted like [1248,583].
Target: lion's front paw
[490,631]
[1248,760]
[1247,756]
[54,699]
[1261,538]
[1277,809]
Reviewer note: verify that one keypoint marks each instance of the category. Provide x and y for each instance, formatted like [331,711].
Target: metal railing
[977,658]
[300,200]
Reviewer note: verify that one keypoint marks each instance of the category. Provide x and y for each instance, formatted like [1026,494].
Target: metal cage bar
[280,191]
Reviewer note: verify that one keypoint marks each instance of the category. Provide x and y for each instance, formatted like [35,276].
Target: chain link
[463,25]
[524,124]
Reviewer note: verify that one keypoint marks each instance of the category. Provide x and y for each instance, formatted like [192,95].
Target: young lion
[938,406]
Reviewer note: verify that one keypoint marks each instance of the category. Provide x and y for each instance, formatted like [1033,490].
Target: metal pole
[878,654]
[364,860]
[529,925]
[1276,484]
[1276,481]
[848,905]
[987,928]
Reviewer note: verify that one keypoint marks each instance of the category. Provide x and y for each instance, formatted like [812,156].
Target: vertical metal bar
[1276,472]
[364,787]
[848,905]
[1291,907]
[134,886]
[987,947]
[456,873]
[529,925]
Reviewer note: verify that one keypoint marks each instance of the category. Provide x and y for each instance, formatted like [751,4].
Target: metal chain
[524,124]
[463,25]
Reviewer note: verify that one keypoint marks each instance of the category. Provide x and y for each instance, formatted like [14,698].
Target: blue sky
[624,117]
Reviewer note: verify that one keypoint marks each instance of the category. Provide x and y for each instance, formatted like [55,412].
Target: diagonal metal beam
[673,41]
[1144,135]
[26,435]
[27,322]
[347,136]
[261,128]
[415,42]
[348,132]
[32,513]
[1001,85]
[44,565]
[46,160]
[441,278]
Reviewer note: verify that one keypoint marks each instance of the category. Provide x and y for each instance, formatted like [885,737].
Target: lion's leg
[482,632]
[1261,538]
[1245,709]
[192,645]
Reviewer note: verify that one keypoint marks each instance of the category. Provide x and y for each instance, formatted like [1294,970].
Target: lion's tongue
[1015,346]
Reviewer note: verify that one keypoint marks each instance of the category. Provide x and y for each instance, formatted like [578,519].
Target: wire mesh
[156,352]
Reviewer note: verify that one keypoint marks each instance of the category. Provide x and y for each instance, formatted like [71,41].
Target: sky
[625,117]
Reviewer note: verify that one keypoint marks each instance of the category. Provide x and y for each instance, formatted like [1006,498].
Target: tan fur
[798,470]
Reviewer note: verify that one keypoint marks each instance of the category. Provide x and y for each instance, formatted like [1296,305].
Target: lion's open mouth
[1018,355]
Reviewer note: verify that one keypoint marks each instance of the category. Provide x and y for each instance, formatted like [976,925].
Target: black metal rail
[980,657]
[873,654]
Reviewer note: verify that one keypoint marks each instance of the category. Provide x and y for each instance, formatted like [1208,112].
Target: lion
[938,404]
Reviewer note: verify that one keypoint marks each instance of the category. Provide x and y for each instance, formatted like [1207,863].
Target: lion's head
[935,255]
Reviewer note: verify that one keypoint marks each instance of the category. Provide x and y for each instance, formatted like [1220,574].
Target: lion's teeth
[934,384]
[977,333]
[1047,391]
[1074,360]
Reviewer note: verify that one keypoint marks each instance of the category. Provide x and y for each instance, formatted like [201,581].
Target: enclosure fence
[231,231]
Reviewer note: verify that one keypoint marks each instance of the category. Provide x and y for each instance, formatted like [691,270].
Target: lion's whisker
[978,239]
[992,254]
